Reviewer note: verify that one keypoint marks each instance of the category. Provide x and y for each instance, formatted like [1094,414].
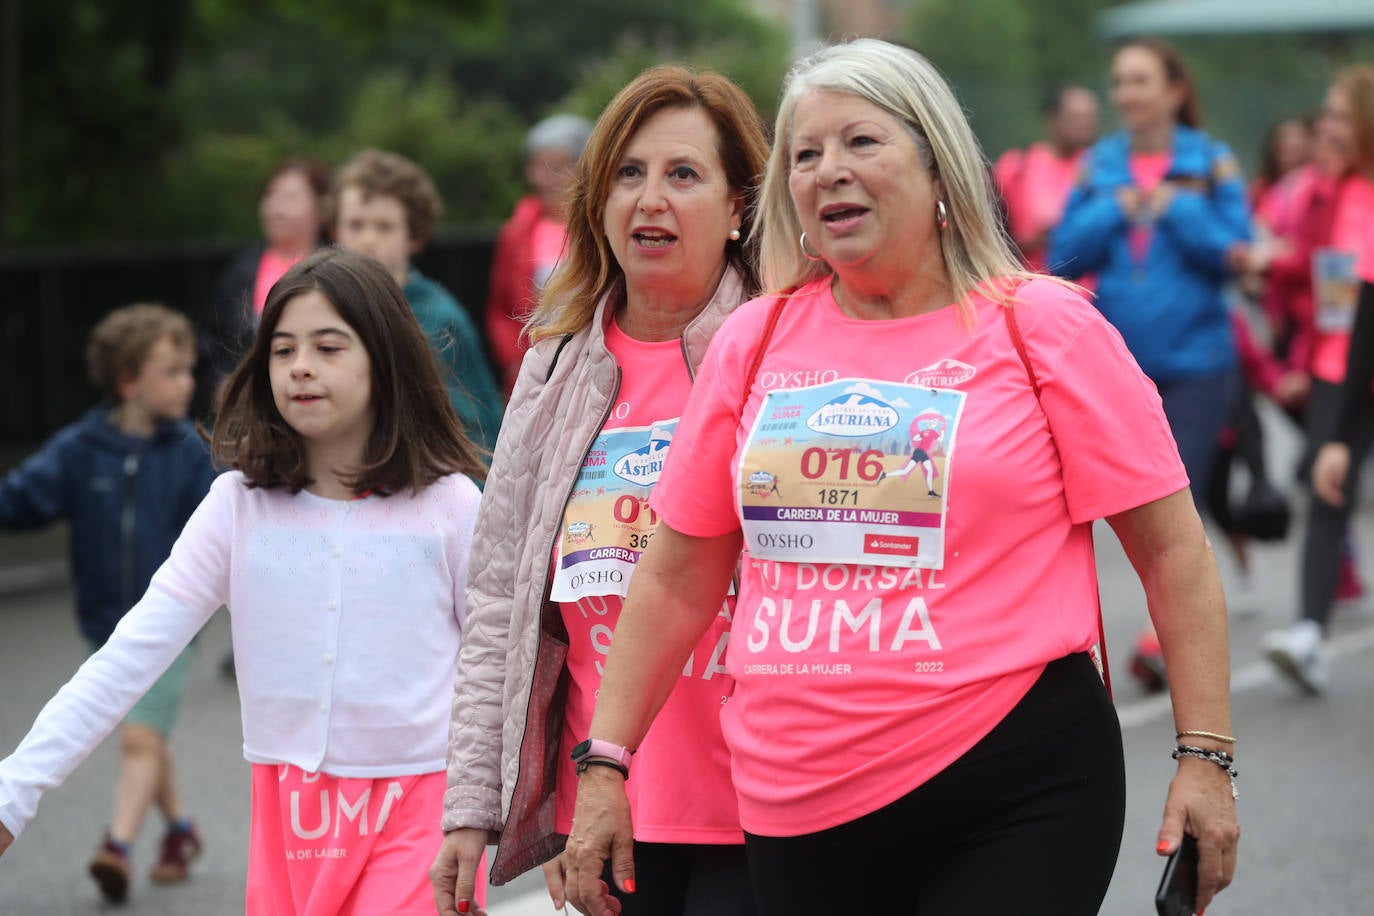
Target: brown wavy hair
[416,439]
[589,267]
[373,172]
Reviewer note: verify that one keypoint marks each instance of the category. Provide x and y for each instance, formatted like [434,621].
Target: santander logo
[947,373]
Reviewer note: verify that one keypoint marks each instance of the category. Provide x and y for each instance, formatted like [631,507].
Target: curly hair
[375,171]
[120,343]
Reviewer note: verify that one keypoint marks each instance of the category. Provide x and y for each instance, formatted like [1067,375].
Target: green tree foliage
[161,119]
[93,118]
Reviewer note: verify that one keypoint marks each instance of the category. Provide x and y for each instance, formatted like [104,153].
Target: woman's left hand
[1201,805]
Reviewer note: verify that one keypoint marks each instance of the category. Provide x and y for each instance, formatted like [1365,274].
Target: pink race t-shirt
[1035,185]
[1147,172]
[1337,272]
[272,266]
[858,680]
[679,787]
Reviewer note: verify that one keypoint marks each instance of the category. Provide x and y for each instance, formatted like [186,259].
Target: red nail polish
[464,905]
[1162,848]
[629,885]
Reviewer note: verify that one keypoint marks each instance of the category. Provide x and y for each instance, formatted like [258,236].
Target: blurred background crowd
[137,139]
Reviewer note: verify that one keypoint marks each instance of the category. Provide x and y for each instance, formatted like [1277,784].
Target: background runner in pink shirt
[1035,182]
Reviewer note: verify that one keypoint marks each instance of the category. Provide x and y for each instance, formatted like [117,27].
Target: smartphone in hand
[1177,894]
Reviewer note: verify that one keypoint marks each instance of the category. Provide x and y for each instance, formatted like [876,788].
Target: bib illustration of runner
[851,471]
[608,522]
[1335,289]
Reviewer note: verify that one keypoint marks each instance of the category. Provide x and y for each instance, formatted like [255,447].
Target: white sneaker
[1296,651]
[1243,599]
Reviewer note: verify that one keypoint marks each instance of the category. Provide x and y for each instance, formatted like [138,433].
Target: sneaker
[1296,652]
[179,849]
[110,869]
[1147,663]
[1243,599]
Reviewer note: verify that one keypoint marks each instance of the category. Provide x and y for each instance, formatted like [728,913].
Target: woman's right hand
[454,872]
[6,838]
[1330,471]
[601,831]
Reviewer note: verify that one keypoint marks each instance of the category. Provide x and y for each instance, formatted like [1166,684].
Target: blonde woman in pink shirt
[915,687]
[658,221]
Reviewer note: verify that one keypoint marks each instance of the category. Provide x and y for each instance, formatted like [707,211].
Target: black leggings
[1028,821]
[679,879]
[1327,525]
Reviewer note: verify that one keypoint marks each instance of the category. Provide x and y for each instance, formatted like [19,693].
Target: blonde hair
[976,250]
[589,268]
[1357,82]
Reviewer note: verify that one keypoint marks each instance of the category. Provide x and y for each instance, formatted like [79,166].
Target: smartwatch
[595,751]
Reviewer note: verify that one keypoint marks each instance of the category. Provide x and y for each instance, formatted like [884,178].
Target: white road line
[1243,679]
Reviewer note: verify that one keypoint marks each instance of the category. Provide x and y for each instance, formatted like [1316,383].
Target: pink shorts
[321,845]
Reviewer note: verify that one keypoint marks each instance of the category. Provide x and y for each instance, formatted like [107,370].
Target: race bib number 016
[852,471]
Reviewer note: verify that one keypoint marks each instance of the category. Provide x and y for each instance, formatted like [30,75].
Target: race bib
[1335,290]
[851,471]
[608,522]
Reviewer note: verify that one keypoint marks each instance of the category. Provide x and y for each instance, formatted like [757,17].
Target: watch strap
[595,747]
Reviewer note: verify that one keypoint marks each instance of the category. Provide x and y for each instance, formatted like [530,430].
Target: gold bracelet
[1225,739]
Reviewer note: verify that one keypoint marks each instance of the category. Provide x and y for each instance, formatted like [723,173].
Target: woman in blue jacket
[1159,216]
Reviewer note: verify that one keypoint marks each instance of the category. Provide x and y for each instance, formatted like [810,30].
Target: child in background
[339,542]
[385,206]
[126,477]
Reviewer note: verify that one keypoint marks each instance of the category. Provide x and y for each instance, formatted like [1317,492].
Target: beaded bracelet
[1224,739]
[1220,758]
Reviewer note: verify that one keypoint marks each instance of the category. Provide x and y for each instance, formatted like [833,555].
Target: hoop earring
[806,252]
[941,215]
[734,235]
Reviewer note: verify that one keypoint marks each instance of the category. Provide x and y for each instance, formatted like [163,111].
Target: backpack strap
[1009,313]
[773,314]
[1015,331]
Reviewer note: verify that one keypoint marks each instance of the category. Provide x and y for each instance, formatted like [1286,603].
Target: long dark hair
[416,438]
